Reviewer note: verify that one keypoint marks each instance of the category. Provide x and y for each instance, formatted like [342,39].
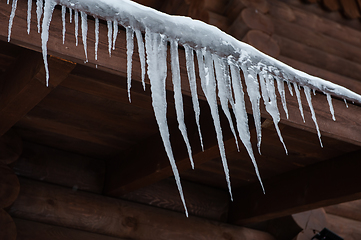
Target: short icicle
[208,83]
[307,92]
[76,23]
[96,44]
[178,99]
[156,48]
[332,111]
[281,91]
[141,53]
[110,33]
[224,93]
[48,13]
[242,118]
[39,12]
[193,87]
[115,32]
[70,15]
[298,95]
[63,11]
[345,103]
[130,50]
[28,19]
[84,32]
[11,19]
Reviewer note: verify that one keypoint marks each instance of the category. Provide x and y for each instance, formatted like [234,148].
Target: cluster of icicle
[221,59]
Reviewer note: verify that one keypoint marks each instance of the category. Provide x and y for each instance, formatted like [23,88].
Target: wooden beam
[8,228]
[24,86]
[322,184]
[64,207]
[11,147]
[9,186]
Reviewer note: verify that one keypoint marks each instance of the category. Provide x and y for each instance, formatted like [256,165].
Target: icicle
[30,4]
[345,102]
[224,93]
[39,12]
[48,13]
[70,15]
[298,95]
[178,99]
[76,22]
[110,33]
[242,118]
[130,49]
[63,11]
[290,88]
[8,2]
[141,53]
[206,73]
[329,100]
[281,90]
[84,32]
[193,86]
[307,91]
[270,101]
[11,19]
[254,96]
[115,32]
[314,92]
[96,38]
[156,48]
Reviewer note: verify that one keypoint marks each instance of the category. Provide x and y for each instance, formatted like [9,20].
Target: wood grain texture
[346,228]
[98,214]
[7,226]
[263,42]
[9,186]
[350,210]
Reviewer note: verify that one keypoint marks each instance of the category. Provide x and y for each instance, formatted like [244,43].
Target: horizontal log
[350,210]
[30,230]
[332,5]
[62,168]
[9,186]
[263,42]
[8,228]
[345,228]
[350,8]
[11,147]
[98,214]
[322,184]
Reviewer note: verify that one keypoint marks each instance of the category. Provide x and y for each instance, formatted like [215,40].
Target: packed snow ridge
[221,61]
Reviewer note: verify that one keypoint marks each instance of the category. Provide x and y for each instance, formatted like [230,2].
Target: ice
[48,13]
[84,32]
[224,92]
[8,2]
[281,91]
[250,77]
[30,4]
[115,32]
[314,92]
[290,88]
[329,100]
[241,116]
[76,23]
[141,53]
[130,49]
[96,38]
[208,84]
[110,33]
[193,87]
[178,99]
[39,12]
[11,19]
[156,48]
[307,91]
[70,15]
[270,101]
[345,102]
[298,95]
[63,11]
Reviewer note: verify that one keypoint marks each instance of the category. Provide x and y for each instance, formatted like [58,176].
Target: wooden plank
[9,186]
[24,86]
[332,5]
[62,168]
[64,207]
[346,228]
[350,210]
[263,42]
[322,184]
[7,226]
[29,230]
[350,8]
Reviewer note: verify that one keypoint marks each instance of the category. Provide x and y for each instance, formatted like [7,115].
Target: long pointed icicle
[178,99]
[307,92]
[96,38]
[110,33]
[332,111]
[70,15]
[63,11]
[254,96]
[193,87]
[11,19]
[76,23]
[223,92]
[141,53]
[115,32]
[130,49]
[28,19]
[208,83]
[156,49]
[39,12]
[281,91]
[48,13]
[84,32]
[290,88]
[242,118]
[298,95]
